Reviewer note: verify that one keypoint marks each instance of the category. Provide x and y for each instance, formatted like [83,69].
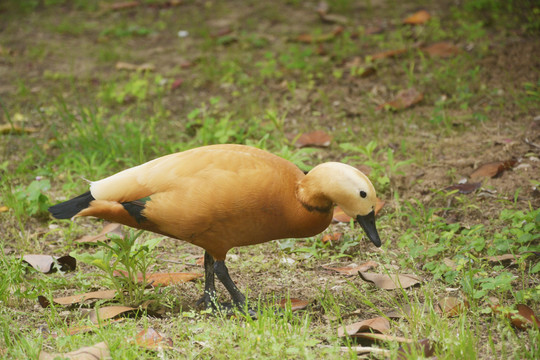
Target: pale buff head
[347,187]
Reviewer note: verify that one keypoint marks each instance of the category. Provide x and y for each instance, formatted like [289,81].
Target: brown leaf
[441,49]
[402,312]
[222,32]
[332,237]
[111,228]
[44,263]
[404,99]
[16,129]
[314,138]
[466,188]
[383,337]
[73,299]
[418,18]
[296,304]
[425,348]
[378,206]
[451,306]
[378,324]
[94,352]
[506,258]
[492,169]
[123,5]
[353,269]
[525,318]
[340,216]
[109,312]
[450,263]
[390,282]
[176,84]
[322,7]
[89,328]
[162,279]
[388,54]
[120,65]
[153,340]
[200,261]
[166,279]
[334,18]
[309,39]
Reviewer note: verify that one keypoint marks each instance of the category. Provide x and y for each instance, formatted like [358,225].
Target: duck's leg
[209,297]
[223,275]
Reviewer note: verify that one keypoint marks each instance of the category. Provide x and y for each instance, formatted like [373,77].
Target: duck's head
[347,187]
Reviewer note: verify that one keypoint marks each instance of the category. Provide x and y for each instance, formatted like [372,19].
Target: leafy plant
[125,263]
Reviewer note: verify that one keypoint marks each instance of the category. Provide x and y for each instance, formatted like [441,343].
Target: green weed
[123,261]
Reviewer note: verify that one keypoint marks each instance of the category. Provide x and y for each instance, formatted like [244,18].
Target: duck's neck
[310,194]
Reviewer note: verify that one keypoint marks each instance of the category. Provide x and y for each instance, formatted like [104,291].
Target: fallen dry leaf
[387,54]
[450,263]
[109,312]
[441,49]
[451,306]
[74,299]
[492,169]
[340,216]
[89,328]
[403,100]
[391,282]
[94,352]
[314,138]
[418,18]
[523,318]
[353,269]
[162,279]
[16,129]
[200,261]
[332,237]
[111,228]
[333,18]
[296,304]
[425,348]
[309,39]
[120,65]
[378,206]
[383,337]
[166,279]
[378,324]
[466,188]
[506,258]
[44,263]
[176,84]
[402,312]
[122,5]
[3,209]
[322,7]
[153,340]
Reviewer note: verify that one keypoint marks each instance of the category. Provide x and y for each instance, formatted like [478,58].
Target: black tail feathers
[70,208]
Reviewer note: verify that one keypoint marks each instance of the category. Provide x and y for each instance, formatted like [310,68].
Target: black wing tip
[70,208]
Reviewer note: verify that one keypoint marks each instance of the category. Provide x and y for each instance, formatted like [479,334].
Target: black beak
[368,224]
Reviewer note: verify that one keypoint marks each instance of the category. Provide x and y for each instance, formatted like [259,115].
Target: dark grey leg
[223,275]
[209,297]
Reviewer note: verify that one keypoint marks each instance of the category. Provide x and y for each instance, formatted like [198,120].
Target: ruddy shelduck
[222,196]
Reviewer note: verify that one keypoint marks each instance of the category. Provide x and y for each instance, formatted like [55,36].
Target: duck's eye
[363,194]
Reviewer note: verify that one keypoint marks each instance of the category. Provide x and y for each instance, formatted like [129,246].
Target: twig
[361,349]
[528,142]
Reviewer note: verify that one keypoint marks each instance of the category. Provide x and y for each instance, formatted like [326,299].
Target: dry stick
[528,142]
[361,349]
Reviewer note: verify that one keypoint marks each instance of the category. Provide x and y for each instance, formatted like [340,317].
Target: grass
[257,85]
